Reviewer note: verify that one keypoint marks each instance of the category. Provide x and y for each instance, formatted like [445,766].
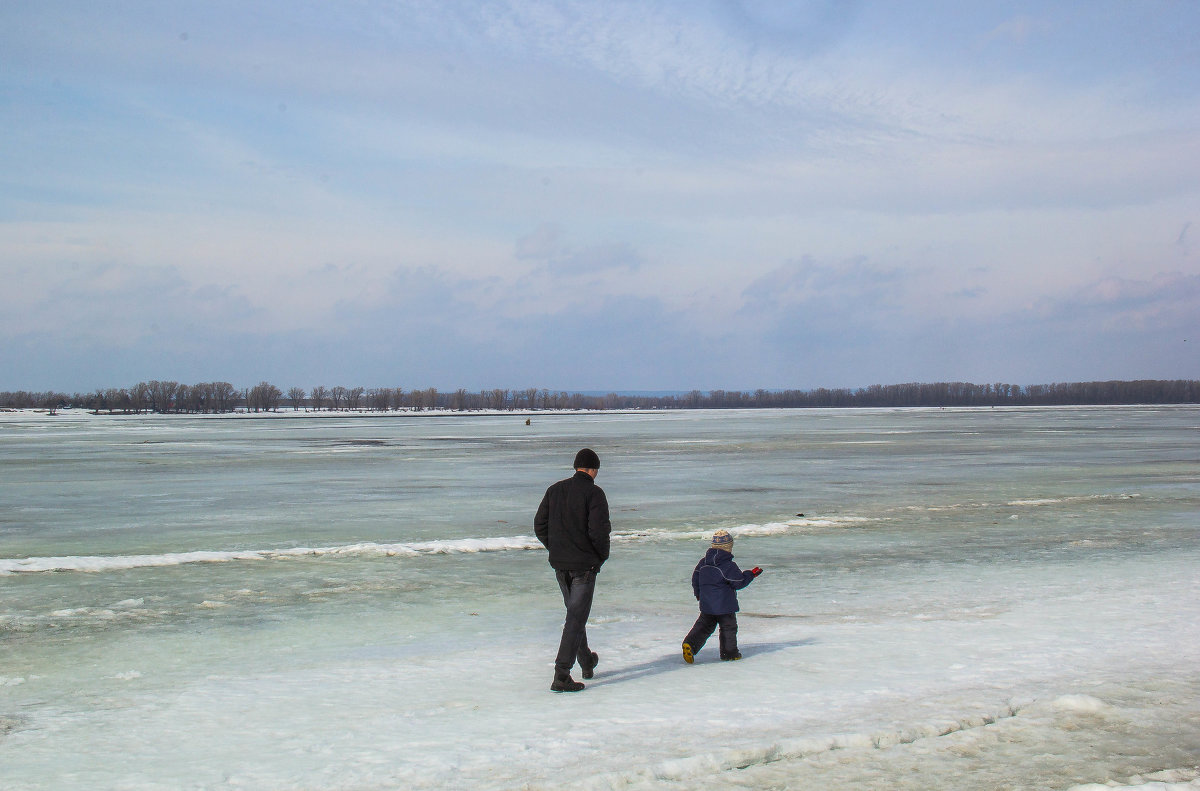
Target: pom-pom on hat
[722,540]
[587,459]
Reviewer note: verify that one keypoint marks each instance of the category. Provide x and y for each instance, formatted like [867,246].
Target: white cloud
[1021,28]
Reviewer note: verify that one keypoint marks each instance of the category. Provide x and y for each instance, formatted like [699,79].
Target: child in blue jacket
[716,581]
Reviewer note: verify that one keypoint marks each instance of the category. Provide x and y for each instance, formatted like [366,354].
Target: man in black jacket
[572,522]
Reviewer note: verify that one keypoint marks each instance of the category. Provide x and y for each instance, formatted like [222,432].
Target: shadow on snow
[674,661]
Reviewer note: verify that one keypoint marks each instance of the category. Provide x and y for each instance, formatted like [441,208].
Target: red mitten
[756,571]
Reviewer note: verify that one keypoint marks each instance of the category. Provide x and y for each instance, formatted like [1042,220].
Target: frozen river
[971,599]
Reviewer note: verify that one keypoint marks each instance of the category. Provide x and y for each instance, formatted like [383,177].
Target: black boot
[564,683]
[589,669]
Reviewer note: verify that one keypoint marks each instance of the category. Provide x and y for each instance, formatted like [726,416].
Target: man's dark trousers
[577,588]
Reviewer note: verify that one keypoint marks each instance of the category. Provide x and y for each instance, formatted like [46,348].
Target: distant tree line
[165,397]
[220,397]
[938,394]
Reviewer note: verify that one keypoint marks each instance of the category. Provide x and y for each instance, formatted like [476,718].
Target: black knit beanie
[587,459]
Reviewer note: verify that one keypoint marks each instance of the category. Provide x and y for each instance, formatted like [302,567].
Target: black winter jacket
[572,522]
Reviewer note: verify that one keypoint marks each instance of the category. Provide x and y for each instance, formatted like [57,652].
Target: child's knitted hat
[722,540]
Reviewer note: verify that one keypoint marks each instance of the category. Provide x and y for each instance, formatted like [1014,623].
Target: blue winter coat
[716,581]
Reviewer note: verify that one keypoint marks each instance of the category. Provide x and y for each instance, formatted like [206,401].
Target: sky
[653,195]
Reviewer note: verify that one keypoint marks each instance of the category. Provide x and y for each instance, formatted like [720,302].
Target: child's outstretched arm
[746,577]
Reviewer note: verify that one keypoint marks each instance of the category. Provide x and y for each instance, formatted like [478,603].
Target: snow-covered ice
[215,611]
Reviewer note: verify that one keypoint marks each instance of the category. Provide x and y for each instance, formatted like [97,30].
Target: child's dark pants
[703,629]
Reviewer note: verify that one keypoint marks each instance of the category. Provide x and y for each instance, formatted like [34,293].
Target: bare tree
[202,397]
[338,395]
[264,396]
[271,396]
[118,398]
[296,396]
[320,394]
[224,394]
[139,397]
[186,399]
[161,395]
[378,399]
[424,399]
[354,398]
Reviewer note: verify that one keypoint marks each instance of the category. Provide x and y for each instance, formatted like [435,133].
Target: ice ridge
[103,563]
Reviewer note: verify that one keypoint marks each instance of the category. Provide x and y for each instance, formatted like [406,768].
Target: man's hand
[756,571]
